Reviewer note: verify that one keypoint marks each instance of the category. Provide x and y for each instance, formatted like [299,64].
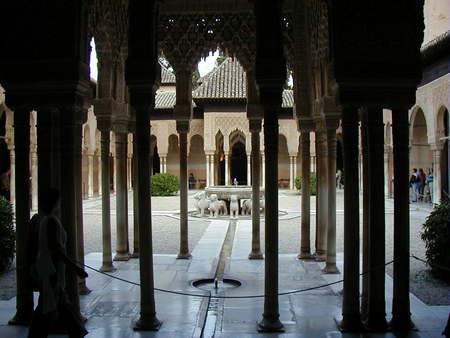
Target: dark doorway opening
[239,164]
[156,161]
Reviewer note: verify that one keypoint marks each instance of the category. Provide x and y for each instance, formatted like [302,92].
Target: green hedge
[7,234]
[436,235]
[165,185]
[312,183]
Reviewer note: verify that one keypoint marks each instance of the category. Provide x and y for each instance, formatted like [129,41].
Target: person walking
[421,183]
[47,272]
[413,181]
[430,180]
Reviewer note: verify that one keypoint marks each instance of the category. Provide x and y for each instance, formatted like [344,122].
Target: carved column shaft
[255,129]
[376,316]
[207,171]
[90,175]
[183,129]
[122,246]
[322,201]
[135,201]
[305,246]
[401,316]
[350,304]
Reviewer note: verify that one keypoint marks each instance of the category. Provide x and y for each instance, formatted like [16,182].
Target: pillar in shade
[322,198]
[24,300]
[351,318]
[249,170]
[207,170]
[255,129]
[227,169]
[330,266]
[183,129]
[305,246]
[401,315]
[107,265]
[122,246]
[376,314]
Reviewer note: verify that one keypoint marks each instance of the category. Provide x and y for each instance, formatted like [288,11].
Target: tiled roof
[228,81]
[288,98]
[167,77]
[166,100]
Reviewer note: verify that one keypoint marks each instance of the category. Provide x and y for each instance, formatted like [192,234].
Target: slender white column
[295,170]
[437,175]
[263,158]
[227,173]
[129,172]
[34,180]
[212,180]
[12,179]
[291,172]
[165,164]
[207,171]
[249,172]
[161,164]
[386,172]
[115,173]
[90,175]
[99,174]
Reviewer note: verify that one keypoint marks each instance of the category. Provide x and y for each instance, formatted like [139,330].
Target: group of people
[421,185]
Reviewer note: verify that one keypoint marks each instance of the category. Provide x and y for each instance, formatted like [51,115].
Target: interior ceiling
[205,6]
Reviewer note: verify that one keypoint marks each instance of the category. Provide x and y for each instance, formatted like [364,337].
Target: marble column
[212,180]
[107,265]
[376,316]
[437,174]
[305,246]
[351,321]
[71,131]
[386,172]
[227,169]
[90,175]
[122,246]
[135,202]
[99,173]
[24,300]
[330,266]
[161,164]
[114,168]
[82,287]
[207,171]
[271,321]
[147,319]
[365,216]
[12,177]
[291,172]
[322,201]
[249,170]
[401,315]
[295,171]
[183,129]
[263,174]
[255,129]
[34,179]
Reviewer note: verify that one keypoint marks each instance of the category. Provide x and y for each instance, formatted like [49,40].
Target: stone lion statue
[217,207]
[247,207]
[234,206]
[201,202]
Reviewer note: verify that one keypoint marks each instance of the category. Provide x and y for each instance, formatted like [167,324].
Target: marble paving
[112,305]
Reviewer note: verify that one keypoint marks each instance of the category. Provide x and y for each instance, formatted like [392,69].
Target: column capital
[437,146]
[182,126]
[305,124]
[254,125]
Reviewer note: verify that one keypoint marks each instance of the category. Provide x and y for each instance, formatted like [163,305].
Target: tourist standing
[430,179]
[413,181]
[421,183]
[192,181]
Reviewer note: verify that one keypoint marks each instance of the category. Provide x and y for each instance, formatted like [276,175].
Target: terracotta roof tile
[167,77]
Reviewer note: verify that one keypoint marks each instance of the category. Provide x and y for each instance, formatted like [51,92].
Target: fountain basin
[224,192]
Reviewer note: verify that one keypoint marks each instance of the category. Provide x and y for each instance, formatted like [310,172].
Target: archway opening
[156,167]
[173,156]
[239,163]
[283,163]
[197,162]
[219,174]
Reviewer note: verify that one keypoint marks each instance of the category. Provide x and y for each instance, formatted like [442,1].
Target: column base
[83,290]
[256,255]
[21,319]
[270,325]
[185,255]
[402,323]
[376,323]
[147,324]
[350,323]
[135,254]
[331,269]
[107,268]
[122,256]
[320,257]
[305,255]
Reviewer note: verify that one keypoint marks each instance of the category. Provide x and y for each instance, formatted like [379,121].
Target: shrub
[436,234]
[165,185]
[312,183]
[7,234]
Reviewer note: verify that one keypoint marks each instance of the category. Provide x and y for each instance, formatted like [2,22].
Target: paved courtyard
[113,304]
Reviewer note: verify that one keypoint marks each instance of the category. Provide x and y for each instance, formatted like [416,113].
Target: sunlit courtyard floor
[112,304]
